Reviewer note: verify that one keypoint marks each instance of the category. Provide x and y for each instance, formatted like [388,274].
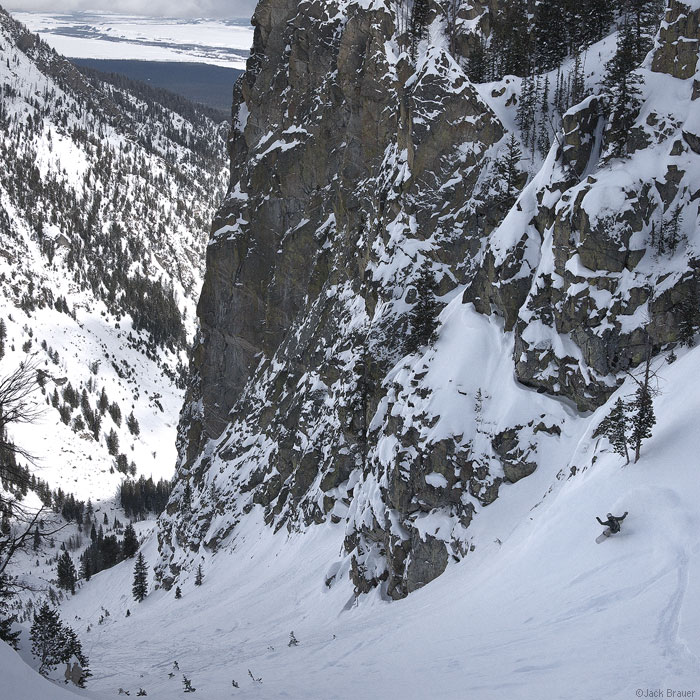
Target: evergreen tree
[113,443]
[671,229]
[477,64]
[642,418]
[199,577]
[7,620]
[178,593]
[66,573]
[508,170]
[133,424]
[140,586]
[187,498]
[48,639]
[550,33]
[103,402]
[423,315]
[687,326]
[510,43]
[85,567]
[616,429]
[623,83]
[130,544]
[419,24]
[597,16]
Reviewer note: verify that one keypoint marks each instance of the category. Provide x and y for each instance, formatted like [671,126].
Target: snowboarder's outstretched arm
[600,521]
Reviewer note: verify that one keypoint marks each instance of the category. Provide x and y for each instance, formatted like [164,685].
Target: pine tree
[7,620]
[86,566]
[103,402]
[423,316]
[643,418]
[419,24]
[477,64]
[550,32]
[671,229]
[199,577]
[687,326]
[66,573]
[48,639]
[130,544]
[133,424]
[187,498]
[623,84]
[616,429]
[178,593]
[508,170]
[113,443]
[510,44]
[140,585]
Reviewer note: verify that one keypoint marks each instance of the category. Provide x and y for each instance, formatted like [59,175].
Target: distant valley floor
[199,82]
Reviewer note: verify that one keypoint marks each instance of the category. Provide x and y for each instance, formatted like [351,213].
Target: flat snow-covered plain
[112,36]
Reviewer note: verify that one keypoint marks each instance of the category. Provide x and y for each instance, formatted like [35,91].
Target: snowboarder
[612,525]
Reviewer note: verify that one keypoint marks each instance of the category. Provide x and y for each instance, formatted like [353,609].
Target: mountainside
[447,319]
[105,200]
[380,156]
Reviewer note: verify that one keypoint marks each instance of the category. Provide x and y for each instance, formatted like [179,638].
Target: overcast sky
[165,8]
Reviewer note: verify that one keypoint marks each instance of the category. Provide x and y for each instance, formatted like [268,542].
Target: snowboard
[603,535]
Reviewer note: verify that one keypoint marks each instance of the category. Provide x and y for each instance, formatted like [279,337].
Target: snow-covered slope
[537,610]
[424,522]
[105,194]
[21,681]
[104,202]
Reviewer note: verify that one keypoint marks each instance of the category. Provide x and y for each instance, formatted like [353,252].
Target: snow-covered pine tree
[7,620]
[623,83]
[140,585]
[48,639]
[66,573]
[423,316]
[199,576]
[616,429]
[596,18]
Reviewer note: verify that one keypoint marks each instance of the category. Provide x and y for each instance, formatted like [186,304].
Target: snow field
[538,609]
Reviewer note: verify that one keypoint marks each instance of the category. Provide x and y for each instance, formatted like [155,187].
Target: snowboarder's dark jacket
[613,522]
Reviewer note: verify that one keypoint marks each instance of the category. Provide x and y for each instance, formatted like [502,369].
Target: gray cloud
[159,8]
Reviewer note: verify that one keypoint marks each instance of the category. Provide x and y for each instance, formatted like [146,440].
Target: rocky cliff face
[352,164]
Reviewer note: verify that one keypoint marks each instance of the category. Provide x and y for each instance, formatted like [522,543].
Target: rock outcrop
[353,164]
